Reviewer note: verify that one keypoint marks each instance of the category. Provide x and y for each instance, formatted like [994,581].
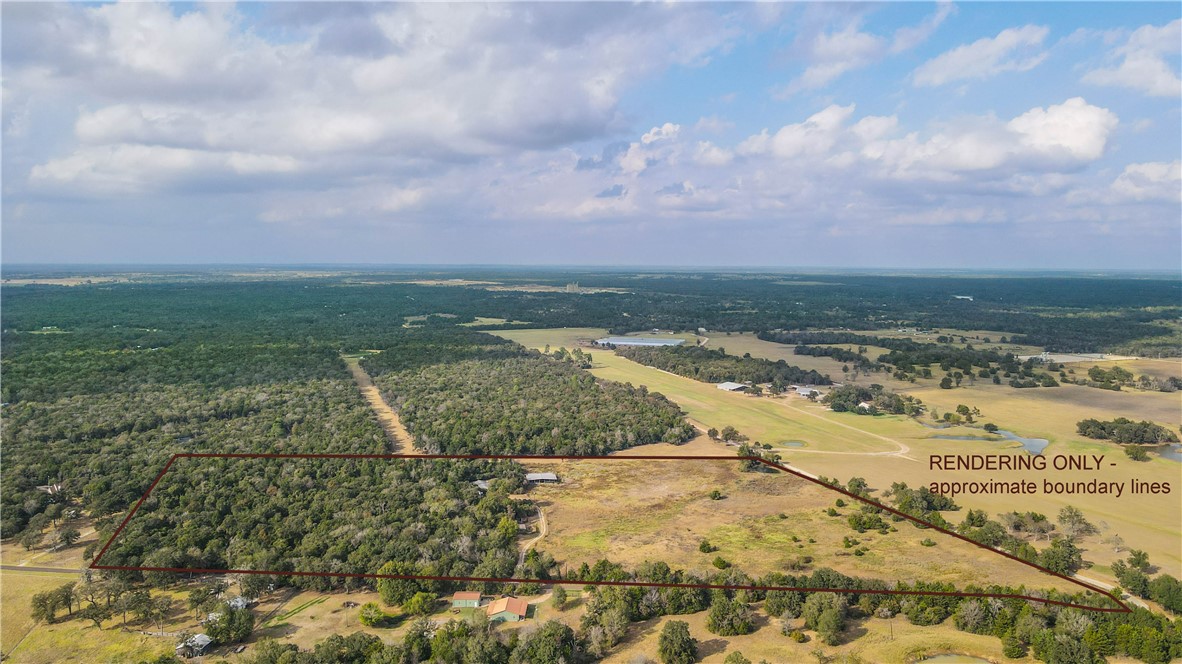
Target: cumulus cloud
[468,82]
[1150,181]
[664,132]
[1013,49]
[1143,65]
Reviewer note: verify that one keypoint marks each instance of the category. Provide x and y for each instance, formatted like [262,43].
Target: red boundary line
[1123,608]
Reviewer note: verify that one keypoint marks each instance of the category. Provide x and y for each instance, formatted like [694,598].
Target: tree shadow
[711,647]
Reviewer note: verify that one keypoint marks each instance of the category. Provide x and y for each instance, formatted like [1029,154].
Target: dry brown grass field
[887,449]
[638,510]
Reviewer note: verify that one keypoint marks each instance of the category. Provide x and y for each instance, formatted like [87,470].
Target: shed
[481,484]
[865,405]
[542,478]
[466,599]
[507,609]
[194,645]
[240,603]
[731,386]
[806,391]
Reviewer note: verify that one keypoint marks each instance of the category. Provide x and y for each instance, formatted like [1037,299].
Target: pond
[954,659]
[1031,445]
[1173,452]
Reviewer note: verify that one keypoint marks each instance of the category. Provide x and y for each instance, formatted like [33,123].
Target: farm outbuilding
[194,646]
[507,609]
[732,387]
[638,341]
[541,478]
[465,599]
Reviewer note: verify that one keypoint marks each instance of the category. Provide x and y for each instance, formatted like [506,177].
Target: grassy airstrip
[843,445]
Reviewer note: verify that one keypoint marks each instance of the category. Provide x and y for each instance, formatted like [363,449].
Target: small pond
[1173,452]
[1032,445]
[792,443]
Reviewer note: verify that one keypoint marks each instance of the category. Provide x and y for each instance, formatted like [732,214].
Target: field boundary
[95,564]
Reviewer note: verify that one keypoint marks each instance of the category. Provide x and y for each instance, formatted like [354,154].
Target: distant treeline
[715,366]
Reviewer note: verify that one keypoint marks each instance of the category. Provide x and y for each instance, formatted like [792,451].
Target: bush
[421,604]
[1136,453]
[675,645]
[721,563]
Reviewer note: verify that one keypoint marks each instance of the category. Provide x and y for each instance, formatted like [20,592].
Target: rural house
[507,609]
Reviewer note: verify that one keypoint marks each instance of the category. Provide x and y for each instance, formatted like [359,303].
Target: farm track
[401,442]
[533,542]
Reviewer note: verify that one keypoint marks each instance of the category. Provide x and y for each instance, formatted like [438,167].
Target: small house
[507,609]
[465,599]
[240,603]
[194,646]
[541,478]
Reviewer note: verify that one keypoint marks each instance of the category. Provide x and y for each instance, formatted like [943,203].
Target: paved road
[29,568]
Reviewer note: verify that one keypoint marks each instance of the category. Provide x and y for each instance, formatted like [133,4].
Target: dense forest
[504,399]
[102,383]
[715,366]
[330,515]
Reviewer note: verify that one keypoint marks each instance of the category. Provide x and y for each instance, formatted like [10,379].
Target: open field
[884,642]
[1162,368]
[745,342]
[767,420]
[16,589]
[633,511]
[835,441]
[76,640]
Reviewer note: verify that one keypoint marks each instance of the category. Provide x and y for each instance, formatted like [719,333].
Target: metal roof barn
[638,341]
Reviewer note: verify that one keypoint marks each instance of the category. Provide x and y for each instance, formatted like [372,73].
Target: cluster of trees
[416,517]
[849,399]
[715,366]
[1125,431]
[860,361]
[472,641]
[507,400]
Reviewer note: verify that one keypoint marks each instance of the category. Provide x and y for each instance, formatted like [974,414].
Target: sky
[997,135]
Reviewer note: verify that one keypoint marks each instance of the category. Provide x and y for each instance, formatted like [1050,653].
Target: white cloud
[709,154]
[1073,129]
[836,53]
[1013,49]
[815,135]
[1150,181]
[908,37]
[664,132]
[1143,65]
[457,82]
[832,54]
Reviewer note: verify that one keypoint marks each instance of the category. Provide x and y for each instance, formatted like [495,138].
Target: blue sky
[773,134]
